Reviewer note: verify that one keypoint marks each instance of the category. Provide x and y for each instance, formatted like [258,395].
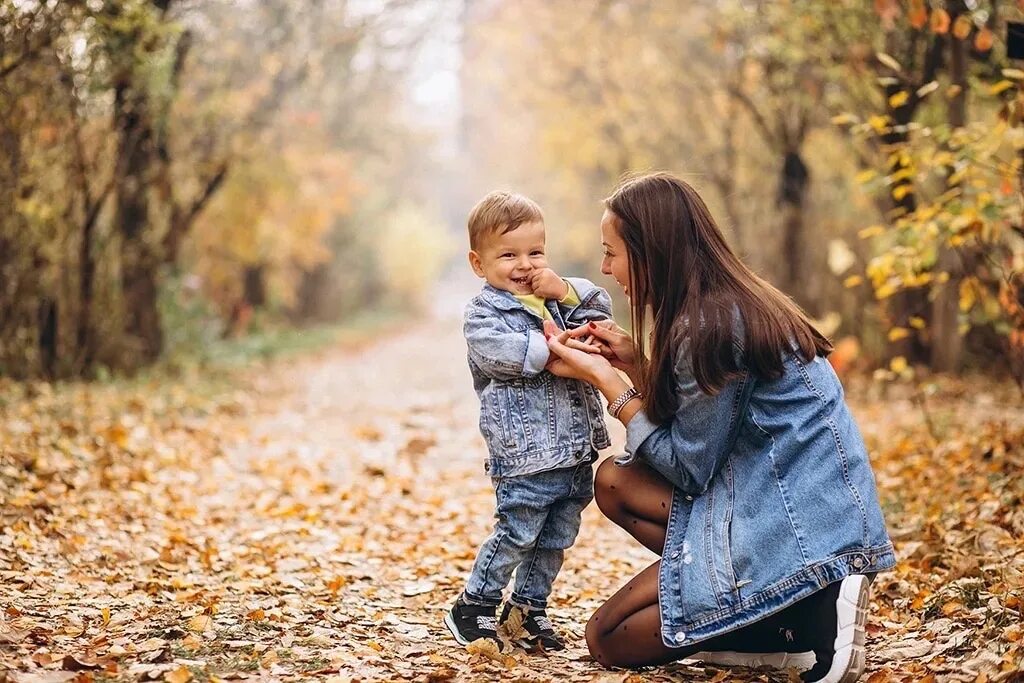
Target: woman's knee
[594,635]
[607,488]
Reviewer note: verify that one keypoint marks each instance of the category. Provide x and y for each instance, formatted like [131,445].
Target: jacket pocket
[501,416]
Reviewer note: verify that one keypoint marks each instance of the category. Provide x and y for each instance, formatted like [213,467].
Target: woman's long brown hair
[683,272]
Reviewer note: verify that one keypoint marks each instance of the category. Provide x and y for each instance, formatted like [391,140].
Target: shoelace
[487,623]
[543,623]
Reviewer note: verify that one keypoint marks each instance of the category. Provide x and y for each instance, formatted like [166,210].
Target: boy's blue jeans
[538,518]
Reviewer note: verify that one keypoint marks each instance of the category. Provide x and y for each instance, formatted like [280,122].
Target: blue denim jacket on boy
[531,420]
[774,496]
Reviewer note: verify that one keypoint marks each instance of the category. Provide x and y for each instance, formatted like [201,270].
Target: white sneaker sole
[851,618]
[776,660]
[450,623]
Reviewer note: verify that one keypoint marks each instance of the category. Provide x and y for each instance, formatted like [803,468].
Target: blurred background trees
[863,154]
[160,153]
[177,170]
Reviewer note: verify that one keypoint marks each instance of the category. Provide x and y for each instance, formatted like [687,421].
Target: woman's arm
[691,449]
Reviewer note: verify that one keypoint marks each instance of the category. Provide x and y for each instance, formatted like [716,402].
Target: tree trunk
[139,265]
[947,342]
[793,186]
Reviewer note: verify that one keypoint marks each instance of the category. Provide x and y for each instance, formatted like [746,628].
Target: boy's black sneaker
[469,622]
[536,631]
[839,631]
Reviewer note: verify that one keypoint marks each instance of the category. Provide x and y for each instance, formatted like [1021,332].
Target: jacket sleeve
[499,351]
[691,449]
[593,304]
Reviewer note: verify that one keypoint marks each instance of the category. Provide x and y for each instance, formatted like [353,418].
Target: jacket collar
[500,299]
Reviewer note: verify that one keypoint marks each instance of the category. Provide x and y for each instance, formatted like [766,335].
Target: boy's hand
[547,285]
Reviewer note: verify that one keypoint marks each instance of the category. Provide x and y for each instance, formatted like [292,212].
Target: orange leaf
[962,26]
[918,14]
[983,41]
[940,21]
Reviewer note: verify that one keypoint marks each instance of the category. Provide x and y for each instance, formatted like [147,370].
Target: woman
[744,468]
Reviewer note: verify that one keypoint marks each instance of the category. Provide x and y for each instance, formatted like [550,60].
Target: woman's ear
[476,263]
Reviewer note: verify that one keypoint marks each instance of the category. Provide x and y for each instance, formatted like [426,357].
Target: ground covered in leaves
[314,518]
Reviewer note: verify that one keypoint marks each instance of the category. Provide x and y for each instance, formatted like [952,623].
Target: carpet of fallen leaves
[314,518]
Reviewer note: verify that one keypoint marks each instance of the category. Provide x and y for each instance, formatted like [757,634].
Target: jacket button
[858,562]
[689,498]
[675,554]
[680,637]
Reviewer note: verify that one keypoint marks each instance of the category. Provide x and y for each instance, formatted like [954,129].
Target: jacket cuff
[571,298]
[639,428]
[537,354]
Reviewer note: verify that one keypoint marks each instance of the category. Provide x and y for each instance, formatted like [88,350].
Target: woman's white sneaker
[846,614]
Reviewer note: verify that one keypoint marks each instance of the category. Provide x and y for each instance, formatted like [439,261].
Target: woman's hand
[572,358]
[617,345]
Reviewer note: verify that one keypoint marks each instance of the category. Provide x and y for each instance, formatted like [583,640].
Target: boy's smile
[509,261]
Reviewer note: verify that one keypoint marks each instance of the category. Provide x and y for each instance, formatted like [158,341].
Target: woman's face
[616,260]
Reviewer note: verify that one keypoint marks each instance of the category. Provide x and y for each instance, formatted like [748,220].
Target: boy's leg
[520,518]
[573,489]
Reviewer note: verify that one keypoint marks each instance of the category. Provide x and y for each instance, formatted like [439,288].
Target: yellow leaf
[179,675]
[885,291]
[900,191]
[898,364]
[865,176]
[873,231]
[897,100]
[917,323]
[199,623]
[852,281]
[897,333]
[1001,86]
[968,297]
[879,122]
[105,612]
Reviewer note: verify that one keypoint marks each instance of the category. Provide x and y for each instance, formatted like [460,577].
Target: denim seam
[728,530]
[775,589]
[782,489]
[849,483]
[486,568]
[533,550]
[709,541]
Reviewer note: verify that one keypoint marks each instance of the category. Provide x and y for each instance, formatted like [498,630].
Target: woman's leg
[625,631]
[636,498]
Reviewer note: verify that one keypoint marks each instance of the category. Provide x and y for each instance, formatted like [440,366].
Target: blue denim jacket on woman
[531,420]
[774,496]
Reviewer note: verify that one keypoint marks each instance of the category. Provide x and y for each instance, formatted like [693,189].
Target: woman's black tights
[626,630]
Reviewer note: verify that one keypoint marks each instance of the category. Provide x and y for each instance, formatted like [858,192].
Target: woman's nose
[605,268]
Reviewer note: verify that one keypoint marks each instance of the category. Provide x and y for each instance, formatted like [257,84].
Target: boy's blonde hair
[498,213]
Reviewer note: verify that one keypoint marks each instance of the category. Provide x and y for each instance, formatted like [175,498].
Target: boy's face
[508,261]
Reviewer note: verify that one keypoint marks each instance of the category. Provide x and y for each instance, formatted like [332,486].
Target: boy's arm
[590,302]
[501,352]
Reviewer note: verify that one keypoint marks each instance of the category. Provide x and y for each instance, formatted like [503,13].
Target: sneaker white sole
[776,660]
[450,623]
[851,618]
